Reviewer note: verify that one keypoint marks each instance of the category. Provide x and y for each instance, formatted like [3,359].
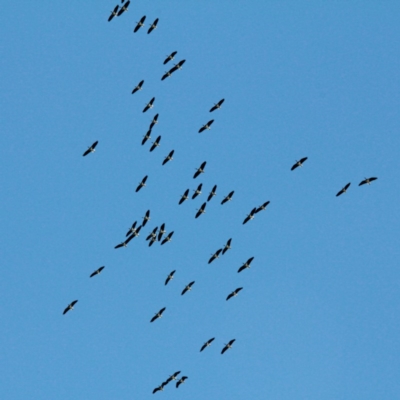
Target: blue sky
[318,317]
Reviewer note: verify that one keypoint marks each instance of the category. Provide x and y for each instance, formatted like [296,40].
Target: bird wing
[224,349]
[340,192]
[229,296]
[202,129]
[198,214]
[184,291]
[118,246]
[203,347]
[231,342]
[213,108]
[246,220]
[241,268]
[86,152]
[303,159]
[294,166]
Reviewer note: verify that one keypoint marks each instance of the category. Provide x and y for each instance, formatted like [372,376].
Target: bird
[70,306]
[200,170]
[124,244]
[142,183]
[149,105]
[146,218]
[138,87]
[168,238]
[367,181]
[159,388]
[197,191]
[298,163]
[146,137]
[250,216]
[246,264]
[153,26]
[201,210]
[206,344]
[172,377]
[184,196]
[228,198]
[228,346]
[262,207]
[91,149]
[217,106]
[170,276]
[170,57]
[343,190]
[162,232]
[139,24]
[227,246]
[123,8]
[96,272]
[153,122]
[155,144]
[167,74]
[178,66]
[212,193]
[169,157]
[206,126]
[153,233]
[234,293]
[113,13]
[214,256]
[182,380]
[187,288]
[158,315]
[131,229]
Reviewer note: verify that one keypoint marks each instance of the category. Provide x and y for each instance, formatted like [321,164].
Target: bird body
[206,126]
[91,149]
[202,210]
[214,256]
[155,144]
[149,105]
[367,181]
[168,238]
[123,8]
[343,190]
[206,344]
[228,346]
[250,216]
[162,232]
[96,272]
[142,183]
[153,122]
[228,198]
[113,13]
[146,137]
[170,57]
[138,87]
[153,26]
[187,288]
[227,246]
[234,293]
[299,163]
[262,207]
[146,218]
[70,306]
[170,276]
[182,380]
[169,157]
[217,106]
[197,191]
[246,264]
[200,170]
[212,193]
[158,315]
[184,196]
[139,24]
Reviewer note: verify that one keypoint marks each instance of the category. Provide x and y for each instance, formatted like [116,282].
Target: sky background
[318,317]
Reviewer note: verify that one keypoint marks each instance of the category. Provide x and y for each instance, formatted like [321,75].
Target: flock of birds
[158,234]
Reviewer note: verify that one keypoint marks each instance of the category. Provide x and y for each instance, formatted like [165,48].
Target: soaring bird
[262,207]
[367,181]
[158,315]
[246,264]
[250,216]
[187,288]
[131,229]
[124,244]
[153,234]
[167,74]
[96,272]
[170,276]
[153,26]
[217,106]
[234,293]
[142,183]
[184,196]
[70,306]
[206,344]
[200,170]
[228,198]
[139,24]
[146,218]
[138,87]
[146,137]
[214,256]
[91,149]
[113,13]
[170,57]
[298,163]
[124,8]
[343,190]
[153,122]
[169,157]
[149,105]
[227,246]
[228,346]
[197,191]
[201,210]
[182,380]
[178,66]
[159,388]
[162,232]
[206,126]
[212,193]
[168,238]
[155,144]
[173,377]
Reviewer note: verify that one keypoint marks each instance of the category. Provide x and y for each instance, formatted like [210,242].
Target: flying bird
[212,193]
[214,256]
[113,13]
[217,106]
[138,87]
[158,315]
[250,216]
[167,74]
[146,137]
[142,184]
[367,181]
[149,105]
[344,190]
[170,276]
[162,232]
[184,196]
[246,264]
[91,149]
[70,306]
[227,246]
[168,238]
[139,24]
[153,26]
[182,380]
[197,191]
[169,157]
[206,344]
[178,66]
[96,272]
[173,377]
[228,346]
[234,293]
[159,388]
[124,244]
[206,126]
[202,210]
[131,229]
[298,163]
[262,207]
[228,198]
[170,57]
[123,8]
[153,234]
[153,122]
[146,218]
[200,170]
[187,288]
[155,144]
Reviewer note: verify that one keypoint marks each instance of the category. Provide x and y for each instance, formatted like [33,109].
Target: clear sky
[318,316]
